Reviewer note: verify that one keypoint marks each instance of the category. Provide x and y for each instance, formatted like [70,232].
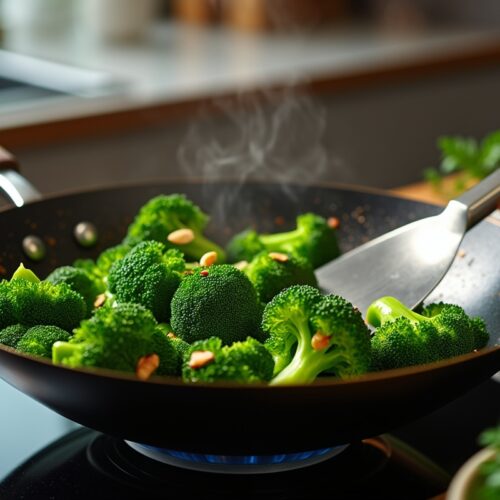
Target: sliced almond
[241,265]
[199,359]
[333,222]
[171,335]
[320,341]
[147,365]
[278,256]
[181,236]
[209,258]
[100,300]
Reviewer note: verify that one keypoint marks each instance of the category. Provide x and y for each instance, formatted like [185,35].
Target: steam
[272,136]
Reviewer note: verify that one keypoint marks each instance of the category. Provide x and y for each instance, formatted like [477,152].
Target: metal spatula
[409,262]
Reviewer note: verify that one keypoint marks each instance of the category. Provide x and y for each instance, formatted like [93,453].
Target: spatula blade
[406,263]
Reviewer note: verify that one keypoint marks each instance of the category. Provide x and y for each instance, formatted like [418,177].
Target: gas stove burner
[237,464]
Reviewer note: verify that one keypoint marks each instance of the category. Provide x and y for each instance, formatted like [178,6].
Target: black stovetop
[87,464]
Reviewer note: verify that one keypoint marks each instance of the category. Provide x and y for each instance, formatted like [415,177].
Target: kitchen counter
[177,65]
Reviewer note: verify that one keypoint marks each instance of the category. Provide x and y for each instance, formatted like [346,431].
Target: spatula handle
[13,185]
[482,199]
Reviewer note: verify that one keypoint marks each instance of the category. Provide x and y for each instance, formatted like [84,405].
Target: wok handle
[482,199]
[13,185]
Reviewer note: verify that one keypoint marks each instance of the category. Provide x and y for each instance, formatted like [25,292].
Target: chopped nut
[199,359]
[147,365]
[100,300]
[181,236]
[333,222]
[208,259]
[320,341]
[204,273]
[241,265]
[461,253]
[278,257]
[171,335]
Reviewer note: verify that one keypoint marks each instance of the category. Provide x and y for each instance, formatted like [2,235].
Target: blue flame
[239,459]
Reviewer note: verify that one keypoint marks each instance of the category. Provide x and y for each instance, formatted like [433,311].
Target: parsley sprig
[472,159]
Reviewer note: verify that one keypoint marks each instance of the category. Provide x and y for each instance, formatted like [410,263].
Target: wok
[249,419]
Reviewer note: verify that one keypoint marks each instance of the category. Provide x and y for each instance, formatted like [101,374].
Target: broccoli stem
[271,241]
[307,363]
[201,245]
[22,273]
[305,366]
[388,309]
[63,350]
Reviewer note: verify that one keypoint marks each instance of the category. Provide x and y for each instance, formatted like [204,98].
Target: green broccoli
[218,301]
[25,274]
[311,333]
[149,275]
[7,316]
[117,338]
[405,338]
[99,269]
[313,239]
[109,256]
[209,361]
[270,273]
[180,346]
[41,303]
[163,215]
[80,281]
[11,335]
[476,326]
[38,340]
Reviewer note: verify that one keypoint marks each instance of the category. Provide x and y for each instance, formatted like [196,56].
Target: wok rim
[323,382]
[154,182]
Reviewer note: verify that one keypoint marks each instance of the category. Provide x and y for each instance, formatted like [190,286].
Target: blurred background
[100,92]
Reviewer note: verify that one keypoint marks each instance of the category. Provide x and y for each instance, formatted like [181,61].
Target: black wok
[239,419]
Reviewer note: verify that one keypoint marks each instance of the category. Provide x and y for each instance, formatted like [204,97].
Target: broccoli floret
[99,269]
[80,281]
[109,256]
[269,275]
[405,338]
[117,338]
[313,239]
[181,347]
[327,333]
[7,316]
[149,275]
[218,301]
[480,333]
[11,335]
[247,361]
[165,214]
[38,340]
[42,303]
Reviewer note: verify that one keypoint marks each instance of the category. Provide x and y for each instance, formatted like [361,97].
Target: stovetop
[415,461]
